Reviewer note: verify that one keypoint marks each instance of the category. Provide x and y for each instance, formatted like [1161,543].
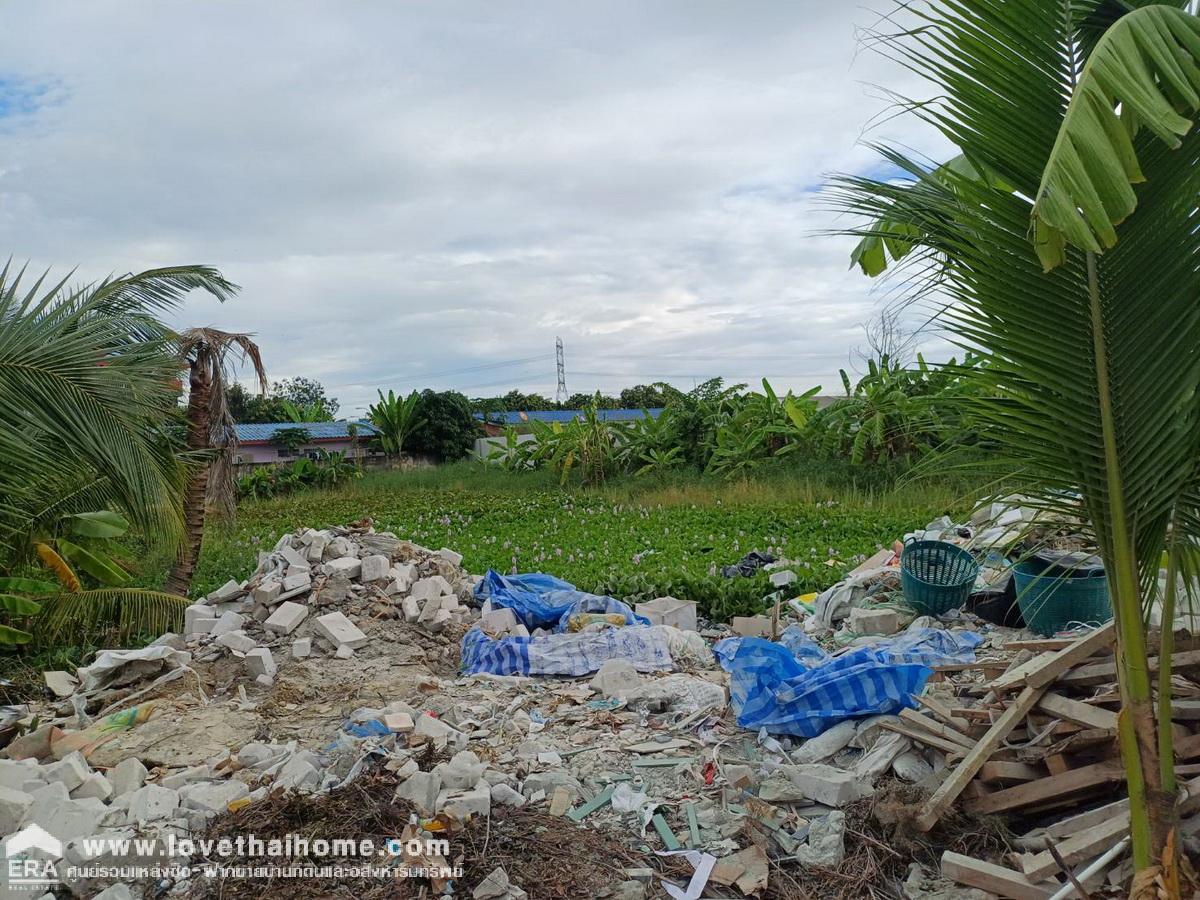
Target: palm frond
[119,614]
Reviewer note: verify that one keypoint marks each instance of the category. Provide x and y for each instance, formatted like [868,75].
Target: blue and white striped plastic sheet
[543,601]
[565,654]
[771,687]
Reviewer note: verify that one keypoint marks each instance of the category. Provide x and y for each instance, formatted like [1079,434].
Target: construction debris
[334,672]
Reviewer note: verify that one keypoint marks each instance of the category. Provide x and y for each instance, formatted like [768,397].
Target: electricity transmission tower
[561,394]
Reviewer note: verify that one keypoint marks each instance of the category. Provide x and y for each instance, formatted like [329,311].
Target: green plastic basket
[1050,603]
[936,576]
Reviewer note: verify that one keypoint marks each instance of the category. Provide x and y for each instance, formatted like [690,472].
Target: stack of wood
[1038,740]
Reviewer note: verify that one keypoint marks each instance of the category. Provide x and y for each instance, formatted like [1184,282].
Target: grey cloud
[426,187]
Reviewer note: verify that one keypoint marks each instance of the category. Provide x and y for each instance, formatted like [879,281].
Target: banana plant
[78,545]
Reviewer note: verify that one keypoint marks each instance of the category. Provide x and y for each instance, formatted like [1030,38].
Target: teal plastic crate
[1051,602]
[936,576]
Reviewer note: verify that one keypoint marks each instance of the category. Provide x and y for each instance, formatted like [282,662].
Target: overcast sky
[427,194]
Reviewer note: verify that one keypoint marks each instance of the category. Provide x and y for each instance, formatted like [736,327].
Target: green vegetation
[327,470]
[634,539]
[89,385]
[290,400]
[892,415]
[1078,291]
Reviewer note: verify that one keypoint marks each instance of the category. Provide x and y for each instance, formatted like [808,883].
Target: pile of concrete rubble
[330,661]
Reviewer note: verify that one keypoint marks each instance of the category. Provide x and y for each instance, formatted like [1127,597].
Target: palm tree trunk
[180,579]
[1150,808]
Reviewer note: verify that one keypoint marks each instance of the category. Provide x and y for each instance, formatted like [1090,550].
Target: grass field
[633,539]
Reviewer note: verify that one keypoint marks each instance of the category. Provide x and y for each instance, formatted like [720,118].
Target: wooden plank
[991,878]
[1041,670]
[942,712]
[1105,672]
[1078,848]
[1040,645]
[949,789]
[1093,818]
[1052,788]
[1075,711]
[1057,764]
[925,737]
[941,730]
[1002,770]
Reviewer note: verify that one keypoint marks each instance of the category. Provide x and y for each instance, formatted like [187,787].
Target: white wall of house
[485,445]
[271,453]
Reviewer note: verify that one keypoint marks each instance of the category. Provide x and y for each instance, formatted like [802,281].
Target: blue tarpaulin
[543,601]
[799,689]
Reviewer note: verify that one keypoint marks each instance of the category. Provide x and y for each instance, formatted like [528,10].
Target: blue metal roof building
[566,415]
[319,431]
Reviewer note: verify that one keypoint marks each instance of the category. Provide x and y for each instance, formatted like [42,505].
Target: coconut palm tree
[88,380]
[211,436]
[1080,291]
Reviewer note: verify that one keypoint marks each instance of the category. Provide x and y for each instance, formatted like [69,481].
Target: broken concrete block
[344,652]
[350,566]
[450,556]
[440,620]
[399,722]
[411,609]
[339,631]
[740,777]
[196,617]
[421,790]
[95,785]
[815,781]
[294,584]
[268,592]
[751,626]
[476,801]
[316,547]
[874,621]
[498,621]
[71,770]
[616,678]
[546,782]
[299,773]
[21,775]
[230,590]
[14,805]
[228,622]
[286,618]
[238,641]
[61,684]
[560,801]
[426,589]
[185,777]
[302,648]
[62,817]
[293,557]
[506,795]
[374,568]
[213,796]
[826,845]
[429,610]
[679,614]
[127,775]
[259,661]
[495,886]
[438,731]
